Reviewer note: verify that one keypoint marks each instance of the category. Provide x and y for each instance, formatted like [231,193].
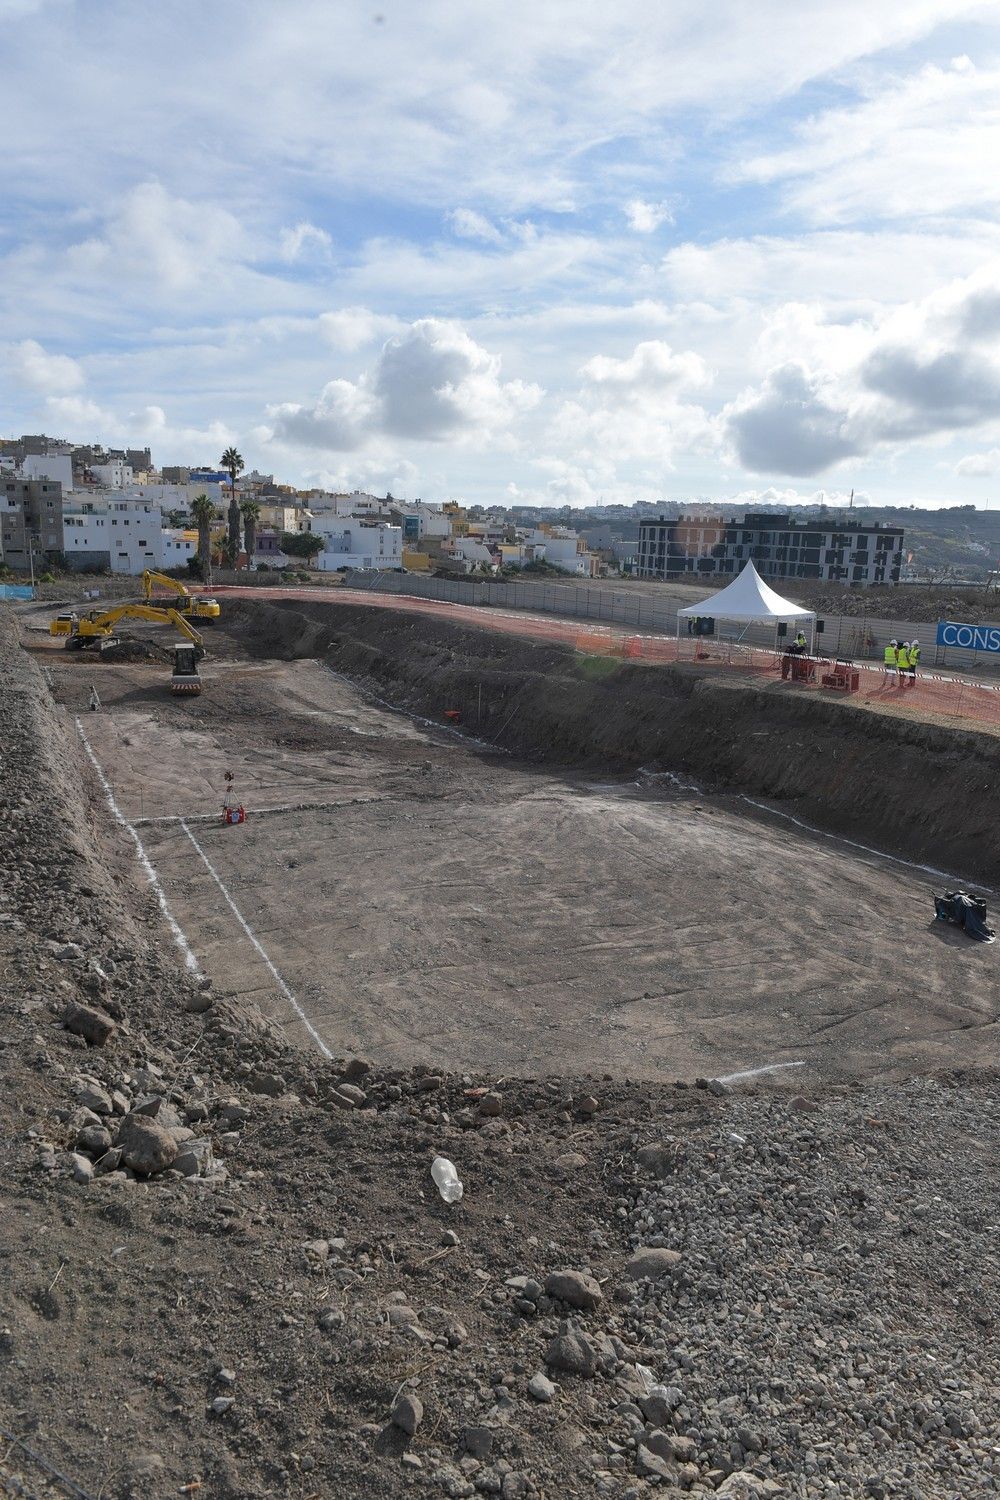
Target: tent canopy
[749,598]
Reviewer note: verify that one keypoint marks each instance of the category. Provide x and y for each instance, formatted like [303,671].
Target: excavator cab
[185,677]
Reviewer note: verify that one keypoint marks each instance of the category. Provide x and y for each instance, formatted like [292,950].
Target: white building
[54,466]
[566,550]
[177,546]
[357,503]
[174,496]
[469,552]
[357,544]
[117,475]
[123,536]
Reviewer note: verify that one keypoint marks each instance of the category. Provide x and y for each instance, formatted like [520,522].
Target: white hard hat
[914,643]
[894,642]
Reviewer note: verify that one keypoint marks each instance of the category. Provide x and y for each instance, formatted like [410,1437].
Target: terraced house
[842,551]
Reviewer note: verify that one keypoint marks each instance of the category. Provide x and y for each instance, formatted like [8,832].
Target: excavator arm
[98,624]
[174,585]
[195,605]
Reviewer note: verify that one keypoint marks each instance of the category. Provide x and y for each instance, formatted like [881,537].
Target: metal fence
[861,638]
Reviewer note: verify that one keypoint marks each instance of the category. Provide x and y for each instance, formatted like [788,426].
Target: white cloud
[305,241]
[157,238]
[644,217]
[34,367]
[979,465]
[431,382]
[921,146]
[469,225]
[651,367]
[434,381]
[350,328]
[910,377]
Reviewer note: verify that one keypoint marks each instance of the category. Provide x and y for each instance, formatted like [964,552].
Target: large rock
[651,1263]
[146,1146]
[93,1025]
[407,1412]
[575,1287]
[659,1160]
[572,1352]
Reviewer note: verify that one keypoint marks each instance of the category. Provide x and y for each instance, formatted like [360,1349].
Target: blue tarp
[16,591]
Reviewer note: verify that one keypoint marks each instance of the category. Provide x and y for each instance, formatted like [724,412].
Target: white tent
[748,598]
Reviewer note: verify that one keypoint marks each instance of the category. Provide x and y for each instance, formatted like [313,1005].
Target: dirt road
[400,891]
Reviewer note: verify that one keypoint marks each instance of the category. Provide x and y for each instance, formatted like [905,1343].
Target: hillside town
[110,510]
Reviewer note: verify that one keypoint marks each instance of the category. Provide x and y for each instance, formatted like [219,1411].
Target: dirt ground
[426,899]
[225,1271]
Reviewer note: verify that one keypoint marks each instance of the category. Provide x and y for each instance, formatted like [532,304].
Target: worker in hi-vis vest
[889,659]
[914,661]
[801,643]
[903,660]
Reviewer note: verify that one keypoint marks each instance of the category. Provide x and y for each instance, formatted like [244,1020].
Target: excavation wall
[926,792]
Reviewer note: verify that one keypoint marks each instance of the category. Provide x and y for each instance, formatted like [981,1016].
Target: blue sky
[556,254]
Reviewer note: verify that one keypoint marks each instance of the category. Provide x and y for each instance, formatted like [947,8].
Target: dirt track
[429,900]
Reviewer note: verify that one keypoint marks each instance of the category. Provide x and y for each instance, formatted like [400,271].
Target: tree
[204,514]
[301,544]
[232,462]
[250,511]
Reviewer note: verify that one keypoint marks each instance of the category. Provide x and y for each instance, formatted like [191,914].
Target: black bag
[965,911]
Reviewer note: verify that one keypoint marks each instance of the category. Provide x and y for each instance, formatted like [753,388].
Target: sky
[554,254]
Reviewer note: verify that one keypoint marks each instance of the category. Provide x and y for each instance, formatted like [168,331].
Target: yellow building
[416,562]
[458,517]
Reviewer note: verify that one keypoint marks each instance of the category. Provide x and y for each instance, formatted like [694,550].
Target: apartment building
[358,544]
[31,521]
[843,551]
[118,534]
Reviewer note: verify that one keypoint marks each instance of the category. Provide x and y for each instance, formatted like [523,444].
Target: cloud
[910,376]
[158,238]
[304,242]
[644,217]
[979,465]
[469,225]
[915,147]
[340,420]
[791,425]
[350,328]
[434,382]
[651,367]
[34,367]
[430,383]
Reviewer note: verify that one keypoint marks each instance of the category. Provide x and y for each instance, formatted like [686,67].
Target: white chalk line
[283,987]
[757,1072]
[144,860]
[837,838]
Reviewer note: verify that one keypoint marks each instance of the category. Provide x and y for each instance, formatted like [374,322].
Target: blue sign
[16,591]
[971,637]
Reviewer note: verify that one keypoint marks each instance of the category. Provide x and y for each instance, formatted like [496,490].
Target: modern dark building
[844,551]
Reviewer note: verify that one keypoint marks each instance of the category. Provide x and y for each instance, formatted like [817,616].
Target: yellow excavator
[194,606]
[96,628]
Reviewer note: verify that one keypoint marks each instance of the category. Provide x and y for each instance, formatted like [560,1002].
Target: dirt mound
[927,793]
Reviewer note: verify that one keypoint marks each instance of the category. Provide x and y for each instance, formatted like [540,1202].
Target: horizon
[562,258]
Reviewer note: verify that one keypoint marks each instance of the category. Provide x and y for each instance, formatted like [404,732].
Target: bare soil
[563,935]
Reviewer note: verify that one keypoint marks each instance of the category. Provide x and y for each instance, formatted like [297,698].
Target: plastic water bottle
[446,1179]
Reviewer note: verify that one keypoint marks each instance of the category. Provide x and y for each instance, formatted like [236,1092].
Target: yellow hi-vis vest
[890,656]
[903,659]
[914,656]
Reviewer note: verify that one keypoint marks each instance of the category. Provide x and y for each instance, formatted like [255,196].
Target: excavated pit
[517,894]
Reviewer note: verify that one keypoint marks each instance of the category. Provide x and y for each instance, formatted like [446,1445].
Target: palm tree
[204,514]
[232,462]
[250,511]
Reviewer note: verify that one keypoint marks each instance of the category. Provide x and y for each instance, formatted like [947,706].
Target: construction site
[644,946]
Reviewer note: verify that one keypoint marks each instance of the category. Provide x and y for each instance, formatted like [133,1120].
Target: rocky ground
[225,1269]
